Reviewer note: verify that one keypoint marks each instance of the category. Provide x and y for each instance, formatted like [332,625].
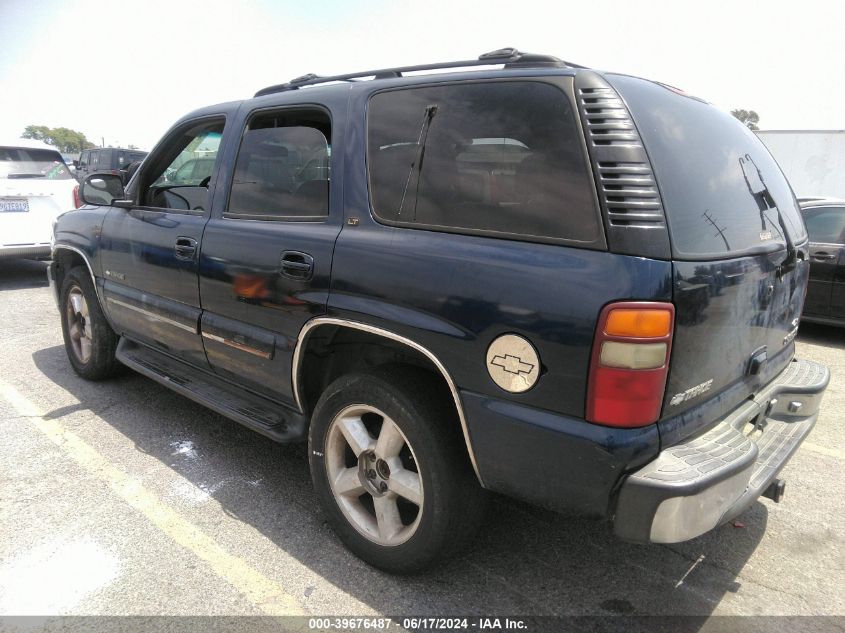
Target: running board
[269,418]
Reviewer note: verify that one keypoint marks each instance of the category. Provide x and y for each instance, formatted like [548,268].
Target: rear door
[267,250]
[826,226]
[150,253]
[731,215]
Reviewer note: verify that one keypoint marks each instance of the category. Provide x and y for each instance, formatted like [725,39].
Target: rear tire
[390,468]
[90,342]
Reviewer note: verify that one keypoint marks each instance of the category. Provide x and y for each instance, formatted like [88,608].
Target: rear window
[21,162]
[500,158]
[721,188]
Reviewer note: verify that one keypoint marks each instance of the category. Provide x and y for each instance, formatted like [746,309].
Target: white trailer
[813,160]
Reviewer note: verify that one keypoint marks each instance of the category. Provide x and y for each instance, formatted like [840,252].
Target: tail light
[77,201]
[630,362]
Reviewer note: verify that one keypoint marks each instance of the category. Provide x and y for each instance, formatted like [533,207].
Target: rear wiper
[416,164]
[25,176]
[766,201]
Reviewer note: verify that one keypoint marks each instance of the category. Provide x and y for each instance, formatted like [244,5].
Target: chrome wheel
[79,324]
[374,475]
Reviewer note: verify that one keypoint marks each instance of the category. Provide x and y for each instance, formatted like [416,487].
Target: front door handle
[822,256]
[297,265]
[186,247]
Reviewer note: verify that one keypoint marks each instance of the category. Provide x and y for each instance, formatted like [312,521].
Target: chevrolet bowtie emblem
[512,364]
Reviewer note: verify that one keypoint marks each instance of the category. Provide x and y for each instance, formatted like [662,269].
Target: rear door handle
[297,265]
[186,247]
[823,257]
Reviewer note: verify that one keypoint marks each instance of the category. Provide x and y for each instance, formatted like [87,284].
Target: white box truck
[813,160]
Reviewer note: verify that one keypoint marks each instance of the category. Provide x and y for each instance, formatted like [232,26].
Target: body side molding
[317,321]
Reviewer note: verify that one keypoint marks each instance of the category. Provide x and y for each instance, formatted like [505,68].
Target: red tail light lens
[77,201]
[630,362]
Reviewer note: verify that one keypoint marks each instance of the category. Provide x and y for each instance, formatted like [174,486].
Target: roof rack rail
[510,57]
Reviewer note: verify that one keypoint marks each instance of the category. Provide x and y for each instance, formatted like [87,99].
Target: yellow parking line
[823,450]
[264,593]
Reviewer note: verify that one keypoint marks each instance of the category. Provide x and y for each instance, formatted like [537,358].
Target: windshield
[23,162]
[722,190]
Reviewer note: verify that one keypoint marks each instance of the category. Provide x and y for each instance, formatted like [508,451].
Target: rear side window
[721,188]
[826,225]
[497,158]
[282,169]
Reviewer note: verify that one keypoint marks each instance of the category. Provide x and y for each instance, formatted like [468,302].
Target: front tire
[390,469]
[90,342]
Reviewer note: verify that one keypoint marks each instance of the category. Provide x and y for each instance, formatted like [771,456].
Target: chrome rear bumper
[695,486]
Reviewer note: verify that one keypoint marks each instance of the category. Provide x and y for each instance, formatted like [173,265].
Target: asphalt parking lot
[125,498]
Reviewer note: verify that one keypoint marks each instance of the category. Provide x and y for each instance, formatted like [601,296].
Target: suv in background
[577,288]
[35,187]
[107,160]
[825,219]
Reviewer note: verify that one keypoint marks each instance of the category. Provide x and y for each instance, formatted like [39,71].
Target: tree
[64,139]
[748,117]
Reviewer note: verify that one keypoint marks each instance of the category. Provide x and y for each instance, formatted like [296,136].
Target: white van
[35,187]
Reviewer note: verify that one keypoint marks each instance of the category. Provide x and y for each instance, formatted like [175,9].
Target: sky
[124,72]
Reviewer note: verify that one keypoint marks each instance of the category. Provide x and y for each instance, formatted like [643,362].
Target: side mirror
[102,189]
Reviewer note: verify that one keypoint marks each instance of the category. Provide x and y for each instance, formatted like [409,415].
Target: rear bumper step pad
[703,482]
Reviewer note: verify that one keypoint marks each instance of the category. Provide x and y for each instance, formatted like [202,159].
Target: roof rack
[510,57]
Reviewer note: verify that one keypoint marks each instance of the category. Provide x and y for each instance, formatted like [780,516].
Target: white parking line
[266,594]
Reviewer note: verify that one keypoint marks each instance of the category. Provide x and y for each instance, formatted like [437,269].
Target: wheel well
[330,351]
[65,260]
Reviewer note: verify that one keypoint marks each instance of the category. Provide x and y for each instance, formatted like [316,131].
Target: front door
[150,253]
[267,251]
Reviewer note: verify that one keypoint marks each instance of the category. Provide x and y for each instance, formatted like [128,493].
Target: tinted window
[282,169]
[27,163]
[721,188]
[495,157]
[95,160]
[826,224]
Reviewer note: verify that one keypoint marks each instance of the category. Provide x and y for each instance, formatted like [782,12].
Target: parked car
[825,220]
[35,187]
[492,287]
[71,160]
[106,160]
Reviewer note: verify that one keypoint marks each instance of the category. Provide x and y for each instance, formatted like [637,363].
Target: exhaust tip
[775,490]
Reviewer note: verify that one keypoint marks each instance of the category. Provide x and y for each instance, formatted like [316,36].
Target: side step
[269,418]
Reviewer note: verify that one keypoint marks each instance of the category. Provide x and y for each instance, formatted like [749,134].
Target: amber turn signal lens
[639,323]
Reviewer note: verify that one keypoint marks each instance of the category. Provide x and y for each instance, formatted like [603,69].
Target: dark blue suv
[573,287]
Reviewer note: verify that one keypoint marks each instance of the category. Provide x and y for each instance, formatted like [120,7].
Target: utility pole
[719,231]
